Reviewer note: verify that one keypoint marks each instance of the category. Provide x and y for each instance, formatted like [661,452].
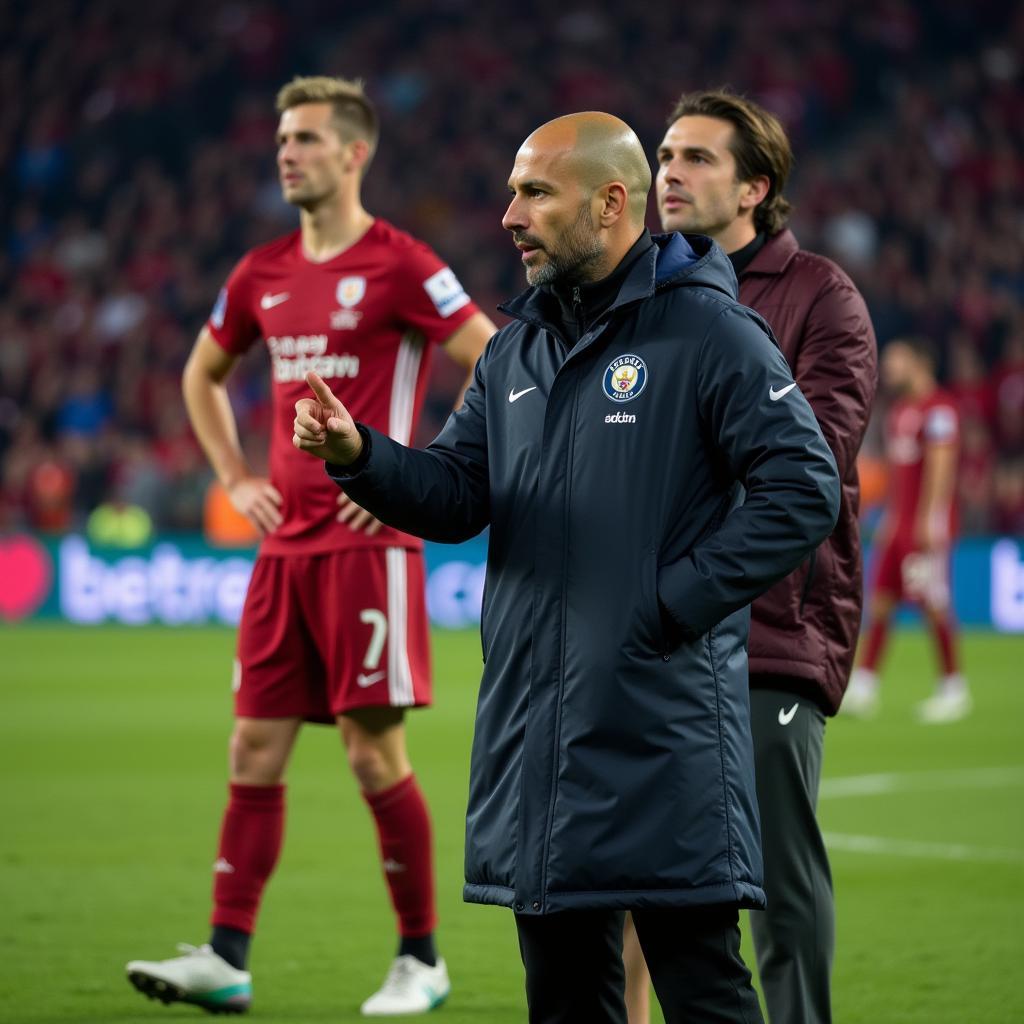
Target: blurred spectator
[1008,393]
[87,408]
[1009,497]
[137,164]
[49,490]
[975,482]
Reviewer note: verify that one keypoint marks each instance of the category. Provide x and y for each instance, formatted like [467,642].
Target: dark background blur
[137,147]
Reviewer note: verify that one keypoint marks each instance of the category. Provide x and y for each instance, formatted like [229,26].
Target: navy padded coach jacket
[612,762]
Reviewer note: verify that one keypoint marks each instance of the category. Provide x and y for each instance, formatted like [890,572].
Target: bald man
[607,439]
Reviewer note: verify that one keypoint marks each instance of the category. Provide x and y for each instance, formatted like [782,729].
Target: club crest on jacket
[625,378]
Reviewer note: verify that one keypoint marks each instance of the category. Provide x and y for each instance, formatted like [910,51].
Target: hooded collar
[674,260]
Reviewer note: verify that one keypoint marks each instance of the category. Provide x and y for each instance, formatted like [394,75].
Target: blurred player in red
[922,441]
[334,627]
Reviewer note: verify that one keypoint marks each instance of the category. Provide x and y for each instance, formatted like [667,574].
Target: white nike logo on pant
[785,717]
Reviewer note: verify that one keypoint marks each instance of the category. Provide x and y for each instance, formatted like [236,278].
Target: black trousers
[794,938]
[574,972]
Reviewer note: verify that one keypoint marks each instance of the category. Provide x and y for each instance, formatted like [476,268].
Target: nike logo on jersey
[270,301]
[514,396]
[776,395]
[785,717]
[368,680]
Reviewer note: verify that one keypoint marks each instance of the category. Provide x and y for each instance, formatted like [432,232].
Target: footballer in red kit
[334,627]
[914,544]
[367,319]
[914,428]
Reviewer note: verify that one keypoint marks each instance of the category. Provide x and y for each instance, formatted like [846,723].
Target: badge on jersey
[349,293]
[625,378]
[446,293]
[220,309]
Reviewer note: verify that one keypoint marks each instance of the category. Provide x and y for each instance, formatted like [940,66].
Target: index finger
[320,389]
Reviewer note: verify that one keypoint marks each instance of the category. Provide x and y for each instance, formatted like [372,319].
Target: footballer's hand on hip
[323,426]
[356,516]
[258,500]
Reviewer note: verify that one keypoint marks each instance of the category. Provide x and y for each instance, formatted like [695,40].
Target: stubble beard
[308,196]
[578,250]
[713,218]
[692,225]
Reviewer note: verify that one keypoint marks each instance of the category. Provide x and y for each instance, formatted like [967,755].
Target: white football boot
[861,699]
[410,987]
[199,977]
[950,702]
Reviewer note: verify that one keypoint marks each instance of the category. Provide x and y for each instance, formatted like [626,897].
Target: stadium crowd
[139,161]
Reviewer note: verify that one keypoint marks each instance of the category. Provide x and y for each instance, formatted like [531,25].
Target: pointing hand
[323,426]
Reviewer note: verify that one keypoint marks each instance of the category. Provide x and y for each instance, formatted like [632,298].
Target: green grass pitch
[112,760]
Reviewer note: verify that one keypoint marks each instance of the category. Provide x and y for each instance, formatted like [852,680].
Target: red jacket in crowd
[803,631]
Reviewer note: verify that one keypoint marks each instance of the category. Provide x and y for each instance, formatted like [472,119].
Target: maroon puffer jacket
[805,627]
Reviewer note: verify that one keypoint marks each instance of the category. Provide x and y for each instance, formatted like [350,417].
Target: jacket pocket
[651,610]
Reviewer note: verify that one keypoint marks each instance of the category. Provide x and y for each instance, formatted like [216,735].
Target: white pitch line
[910,782]
[916,848]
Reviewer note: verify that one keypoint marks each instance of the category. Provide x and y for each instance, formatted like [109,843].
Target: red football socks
[250,842]
[877,635]
[945,640]
[406,853]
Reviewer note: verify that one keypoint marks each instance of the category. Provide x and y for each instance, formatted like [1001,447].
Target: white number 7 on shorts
[379,621]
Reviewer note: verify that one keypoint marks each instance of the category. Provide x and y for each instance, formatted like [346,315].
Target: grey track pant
[794,938]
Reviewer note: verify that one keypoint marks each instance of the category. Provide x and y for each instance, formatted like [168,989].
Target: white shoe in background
[410,987]
[861,699]
[951,702]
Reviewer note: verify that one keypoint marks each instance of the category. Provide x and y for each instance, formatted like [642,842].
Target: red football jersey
[911,427]
[365,322]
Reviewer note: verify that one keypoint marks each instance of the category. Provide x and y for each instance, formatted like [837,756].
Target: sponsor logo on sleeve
[625,378]
[940,425]
[220,308]
[446,293]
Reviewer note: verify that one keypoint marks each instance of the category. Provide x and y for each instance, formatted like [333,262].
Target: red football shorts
[910,574]
[324,634]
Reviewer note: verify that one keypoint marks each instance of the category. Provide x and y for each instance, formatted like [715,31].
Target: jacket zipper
[542,895]
[577,312]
